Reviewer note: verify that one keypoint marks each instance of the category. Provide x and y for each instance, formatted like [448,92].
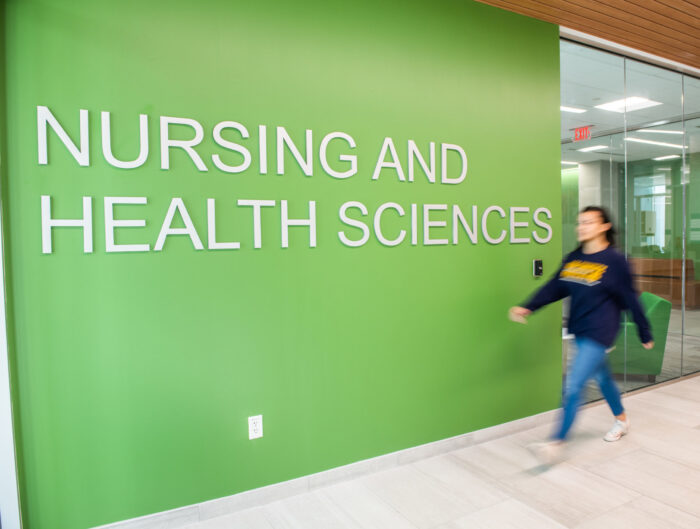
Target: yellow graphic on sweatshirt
[583,272]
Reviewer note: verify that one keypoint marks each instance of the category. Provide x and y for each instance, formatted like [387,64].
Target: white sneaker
[548,453]
[619,429]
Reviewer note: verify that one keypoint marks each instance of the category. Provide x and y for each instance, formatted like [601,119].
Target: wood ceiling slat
[576,15]
[625,6]
[662,27]
[690,37]
[669,12]
[537,10]
[540,9]
[622,21]
[682,6]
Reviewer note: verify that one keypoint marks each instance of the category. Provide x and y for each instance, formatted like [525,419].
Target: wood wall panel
[667,28]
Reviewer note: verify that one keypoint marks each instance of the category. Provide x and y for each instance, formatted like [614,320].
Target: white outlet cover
[255,427]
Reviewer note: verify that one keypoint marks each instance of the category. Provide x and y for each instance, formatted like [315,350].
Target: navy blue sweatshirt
[600,286]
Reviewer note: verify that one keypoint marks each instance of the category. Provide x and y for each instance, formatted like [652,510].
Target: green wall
[134,372]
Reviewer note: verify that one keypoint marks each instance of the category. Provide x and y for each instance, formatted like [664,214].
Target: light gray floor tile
[174,519]
[687,390]
[509,514]
[680,409]
[643,513]
[308,511]
[502,457]
[419,498]
[248,519]
[452,472]
[587,447]
[657,477]
[568,494]
[365,508]
[659,434]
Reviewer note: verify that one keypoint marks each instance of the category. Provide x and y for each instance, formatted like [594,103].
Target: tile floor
[648,479]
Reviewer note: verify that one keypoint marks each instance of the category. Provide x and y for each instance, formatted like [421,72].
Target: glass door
[630,142]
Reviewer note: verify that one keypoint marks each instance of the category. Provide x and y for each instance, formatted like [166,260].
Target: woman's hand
[648,345]
[519,314]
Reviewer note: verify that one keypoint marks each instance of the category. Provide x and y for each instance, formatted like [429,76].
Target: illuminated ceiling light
[572,109]
[669,157]
[568,163]
[593,148]
[658,123]
[650,142]
[630,104]
[661,131]
[663,168]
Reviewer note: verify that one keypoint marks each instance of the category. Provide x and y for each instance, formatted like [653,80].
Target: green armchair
[639,360]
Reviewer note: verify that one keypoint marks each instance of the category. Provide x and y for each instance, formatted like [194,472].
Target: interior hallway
[649,479]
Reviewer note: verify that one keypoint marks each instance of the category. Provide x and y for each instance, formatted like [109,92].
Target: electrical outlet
[255,427]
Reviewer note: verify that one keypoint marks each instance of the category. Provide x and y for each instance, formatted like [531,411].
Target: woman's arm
[550,292]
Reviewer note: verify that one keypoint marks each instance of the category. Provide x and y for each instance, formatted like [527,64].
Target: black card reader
[537,269]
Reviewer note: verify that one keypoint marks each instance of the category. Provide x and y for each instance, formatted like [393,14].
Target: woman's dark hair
[605,217]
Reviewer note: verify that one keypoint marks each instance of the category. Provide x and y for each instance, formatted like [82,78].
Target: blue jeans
[590,362]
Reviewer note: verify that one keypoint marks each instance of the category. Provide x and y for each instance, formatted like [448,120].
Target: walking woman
[598,279]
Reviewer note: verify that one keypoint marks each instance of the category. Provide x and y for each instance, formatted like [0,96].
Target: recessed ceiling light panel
[661,131]
[629,104]
[660,143]
[669,157]
[593,148]
[572,109]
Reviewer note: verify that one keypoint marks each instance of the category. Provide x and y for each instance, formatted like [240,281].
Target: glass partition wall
[690,170]
[630,141]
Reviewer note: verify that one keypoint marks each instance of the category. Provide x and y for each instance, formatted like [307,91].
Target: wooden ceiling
[667,28]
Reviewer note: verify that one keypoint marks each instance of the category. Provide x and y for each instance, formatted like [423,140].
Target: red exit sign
[582,133]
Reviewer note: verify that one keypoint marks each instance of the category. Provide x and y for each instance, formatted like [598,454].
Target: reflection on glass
[691,338]
[633,146]
[655,249]
[662,89]
[592,157]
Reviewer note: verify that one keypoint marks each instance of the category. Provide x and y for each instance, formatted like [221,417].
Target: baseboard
[191,514]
